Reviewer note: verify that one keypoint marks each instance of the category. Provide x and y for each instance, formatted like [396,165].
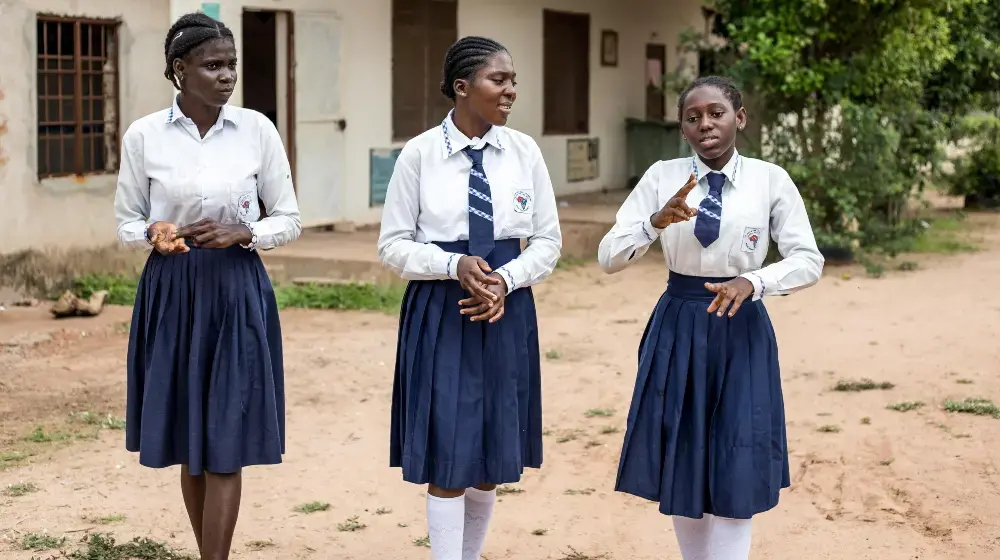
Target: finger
[477,311]
[477,289]
[483,265]
[727,300]
[717,288]
[737,302]
[691,182]
[487,314]
[715,303]
[498,316]
[680,215]
[199,226]
[469,301]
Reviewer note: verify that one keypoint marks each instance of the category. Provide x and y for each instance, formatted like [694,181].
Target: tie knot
[475,155]
[716,180]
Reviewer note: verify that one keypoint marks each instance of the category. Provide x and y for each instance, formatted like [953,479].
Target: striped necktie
[706,227]
[481,239]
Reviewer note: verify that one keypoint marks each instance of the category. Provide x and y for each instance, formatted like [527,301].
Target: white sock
[713,538]
[445,526]
[478,512]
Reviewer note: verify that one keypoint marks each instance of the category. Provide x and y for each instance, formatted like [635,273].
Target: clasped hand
[488,289]
[168,239]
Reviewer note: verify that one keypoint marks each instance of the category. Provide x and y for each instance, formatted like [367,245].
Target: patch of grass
[599,412]
[862,385]
[581,492]
[121,288]
[383,511]
[571,435]
[260,545]
[907,266]
[964,381]
[101,546]
[905,406]
[886,462]
[553,355]
[866,420]
[312,507]
[106,519]
[350,525]
[20,489]
[569,263]
[105,421]
[829,429]
[539,532]
[424,541]
[975,406]
[507,490]
[41,541]
[942,235]
[375,297]
[606,430]
[8,458]
[39,435]
[574,554]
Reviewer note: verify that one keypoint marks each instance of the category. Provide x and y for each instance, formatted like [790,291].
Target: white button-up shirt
[759,200]
[170,173]
[428,200]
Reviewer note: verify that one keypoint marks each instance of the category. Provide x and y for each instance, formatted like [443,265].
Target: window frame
[79,161]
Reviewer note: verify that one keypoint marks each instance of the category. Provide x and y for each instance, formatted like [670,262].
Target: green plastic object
[648,142]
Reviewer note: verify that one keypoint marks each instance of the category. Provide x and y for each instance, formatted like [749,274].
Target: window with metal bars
[77,96]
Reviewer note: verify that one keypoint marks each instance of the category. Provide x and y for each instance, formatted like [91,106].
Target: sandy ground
[900,485]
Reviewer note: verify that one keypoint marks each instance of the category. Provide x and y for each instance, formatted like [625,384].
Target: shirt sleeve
[397,248]
[132,193]
[539,258]
[282,223]
[802,264]
[633,232]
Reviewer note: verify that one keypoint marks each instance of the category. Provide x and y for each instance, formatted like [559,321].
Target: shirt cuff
[650,232]
[508,278]
[759,287]
[447,264]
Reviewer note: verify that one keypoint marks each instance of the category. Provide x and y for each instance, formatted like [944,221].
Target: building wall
[72,212]
[68,211]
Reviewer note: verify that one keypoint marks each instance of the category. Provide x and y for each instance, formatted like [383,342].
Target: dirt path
[868,482]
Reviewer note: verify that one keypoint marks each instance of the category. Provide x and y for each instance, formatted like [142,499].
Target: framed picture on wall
[609,48]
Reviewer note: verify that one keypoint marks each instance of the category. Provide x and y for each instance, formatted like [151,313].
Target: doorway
[267,76]
[656,65]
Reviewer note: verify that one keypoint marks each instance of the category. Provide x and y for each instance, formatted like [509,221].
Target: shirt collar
[225,115]
[455,141]
[702,169]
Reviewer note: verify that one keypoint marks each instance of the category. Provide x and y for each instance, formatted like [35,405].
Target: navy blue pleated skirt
[706,428]
[467,397]
[205,374]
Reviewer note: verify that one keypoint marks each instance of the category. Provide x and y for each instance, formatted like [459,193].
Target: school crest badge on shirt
[751,237]
[522,202]
[243,205]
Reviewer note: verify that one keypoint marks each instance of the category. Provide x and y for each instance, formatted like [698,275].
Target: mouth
[226,91]
[505,108]
[709,142]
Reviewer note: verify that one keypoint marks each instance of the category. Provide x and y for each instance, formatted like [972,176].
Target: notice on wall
[382,161]
[582,158]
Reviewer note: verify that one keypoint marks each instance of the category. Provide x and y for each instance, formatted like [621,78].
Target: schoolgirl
[466,407]
[205,370]
[706,428]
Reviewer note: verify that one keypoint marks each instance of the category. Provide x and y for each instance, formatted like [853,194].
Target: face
[208,72]
[710,123]
[491,93]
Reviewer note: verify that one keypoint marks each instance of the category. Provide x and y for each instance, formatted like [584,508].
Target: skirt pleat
[466,407]
[205,372]
[706,427]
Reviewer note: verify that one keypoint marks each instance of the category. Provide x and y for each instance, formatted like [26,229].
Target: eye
[718,114]
[692,120]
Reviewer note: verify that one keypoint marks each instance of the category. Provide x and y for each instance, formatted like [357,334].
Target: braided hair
[465,58]
[723,84]
[187,34]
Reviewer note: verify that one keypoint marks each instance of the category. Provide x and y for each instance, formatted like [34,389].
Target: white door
[319,120]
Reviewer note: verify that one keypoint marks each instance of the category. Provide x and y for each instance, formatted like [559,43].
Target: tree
[842,86]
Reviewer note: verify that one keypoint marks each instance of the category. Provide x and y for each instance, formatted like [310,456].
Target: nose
[705,124]
[227,76]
